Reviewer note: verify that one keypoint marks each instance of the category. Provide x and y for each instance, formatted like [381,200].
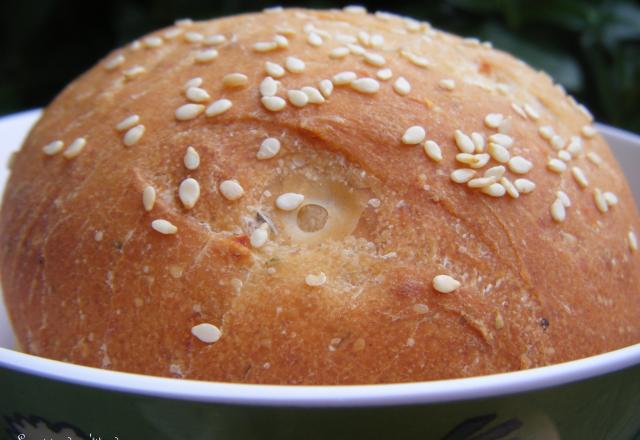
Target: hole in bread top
[312,217]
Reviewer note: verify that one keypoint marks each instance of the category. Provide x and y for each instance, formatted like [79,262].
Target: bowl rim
[428,392]
[411,393]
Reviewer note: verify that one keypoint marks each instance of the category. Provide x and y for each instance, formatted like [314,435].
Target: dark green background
[590,47]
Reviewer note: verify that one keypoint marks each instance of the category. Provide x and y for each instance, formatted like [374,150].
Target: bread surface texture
[317,197]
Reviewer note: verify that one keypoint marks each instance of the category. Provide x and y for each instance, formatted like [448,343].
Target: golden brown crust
[87,280]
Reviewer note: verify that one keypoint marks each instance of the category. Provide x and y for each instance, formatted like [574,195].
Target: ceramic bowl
[593,398]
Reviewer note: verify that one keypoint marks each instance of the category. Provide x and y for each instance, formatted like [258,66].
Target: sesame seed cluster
[349,139]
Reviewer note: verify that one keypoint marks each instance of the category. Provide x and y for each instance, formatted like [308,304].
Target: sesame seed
[505,125]
[274,69]
[128,122]
[207,333]
[314,95]
[402,86]
[53,148]
[356,49]
[273,103]
[294,65]
[196,94]
[314,39]
[281,41]
[374,203]
[481,182]
[610,198]
[133,135]
[594,158]
[297,97]
[135,45]
[183,22]
[473,160]
[502,139]
[503,89]
[260,236]
[471,42]
[414,135]
[339,52]
[588,131]
[531,112]
[556,165]
[478,141]
[345,39]
[633,241]
[344,78]
[564,155]
[493,120]
[445,283]
[273,10]
[520,165]
[518,109]
[193,37]
[447,84]
[315,280]
[214,40]
[374,59]
[268,87]
[268,148]
[152,41]
[417,60]
[509,187]
[193,82]
[564,198]
[189,192]
[557,142]
[525,186]
[326,87]
[384,74]
[546,132]
[98,236]
[498,152]
[235,80]
[75,148]
[218,107]
[580,177]
[134,72]
[558,213]
[364,38]
[494,190]
[231,190]
[464,142]
[432,149]
[355,9]
[289,201]
[191,159]
[265,46]
[189,111]
[420,309]
[365,85]
[206,55]
[462,175]
[497,171]
[164,227]
[114,62]
[377,41]
[601,202]
[148,198]
[575,145]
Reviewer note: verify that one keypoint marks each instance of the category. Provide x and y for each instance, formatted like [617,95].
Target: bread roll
[317,197]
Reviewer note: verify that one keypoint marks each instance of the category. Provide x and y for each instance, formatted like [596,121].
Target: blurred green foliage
[591,47]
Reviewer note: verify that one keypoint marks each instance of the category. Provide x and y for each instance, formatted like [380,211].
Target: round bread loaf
[317,197]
